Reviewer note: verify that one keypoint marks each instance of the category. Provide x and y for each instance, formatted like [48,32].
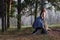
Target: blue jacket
[38,23]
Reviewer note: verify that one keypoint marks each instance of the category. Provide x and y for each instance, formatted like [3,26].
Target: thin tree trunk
[36,9]
[3,19]
[30,5]
[8,12]
[3,25]
[19,15]
[5,11]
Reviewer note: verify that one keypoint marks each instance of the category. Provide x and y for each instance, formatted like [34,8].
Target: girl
[39,23]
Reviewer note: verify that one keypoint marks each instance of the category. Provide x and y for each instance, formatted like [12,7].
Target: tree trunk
[8,12]
[36,8]
[19,15]
[2,12]
[5,11]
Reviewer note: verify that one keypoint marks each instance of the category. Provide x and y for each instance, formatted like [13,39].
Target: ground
[25,34]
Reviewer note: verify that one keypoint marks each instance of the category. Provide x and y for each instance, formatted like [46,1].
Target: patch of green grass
[54,25]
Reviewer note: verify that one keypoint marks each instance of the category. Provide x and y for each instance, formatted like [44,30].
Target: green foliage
[12,12]
[23,5]
[56,3]
[53,1]
[58,8]
[13,8]
[27,3]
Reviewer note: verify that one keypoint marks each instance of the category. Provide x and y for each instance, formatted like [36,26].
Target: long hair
[43,10]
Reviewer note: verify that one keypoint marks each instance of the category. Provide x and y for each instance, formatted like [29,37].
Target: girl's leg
[44,31]
[35,31]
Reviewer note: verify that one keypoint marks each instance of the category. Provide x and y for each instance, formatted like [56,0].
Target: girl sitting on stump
[39,23]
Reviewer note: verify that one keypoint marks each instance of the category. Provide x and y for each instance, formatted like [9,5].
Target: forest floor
[25,34]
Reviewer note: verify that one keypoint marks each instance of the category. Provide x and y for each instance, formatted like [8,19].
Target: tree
[3,16]
[8,11]
[13,6]
[55,3]
[36,5]
[5,13]
[19,15]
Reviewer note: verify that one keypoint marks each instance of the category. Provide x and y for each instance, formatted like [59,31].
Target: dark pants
[43,31]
